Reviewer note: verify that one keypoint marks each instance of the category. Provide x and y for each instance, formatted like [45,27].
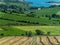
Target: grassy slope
[41,20]
[7,30]
[48,11]
[18,30]
[55,30]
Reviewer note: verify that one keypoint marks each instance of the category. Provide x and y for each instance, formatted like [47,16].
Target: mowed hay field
[36,40]
[54,30]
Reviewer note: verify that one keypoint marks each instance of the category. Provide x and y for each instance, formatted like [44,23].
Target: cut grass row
[36,40]
[9,42]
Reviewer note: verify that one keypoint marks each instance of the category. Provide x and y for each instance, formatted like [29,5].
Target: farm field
[35,40]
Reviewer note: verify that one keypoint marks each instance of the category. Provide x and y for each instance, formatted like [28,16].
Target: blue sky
[41,2]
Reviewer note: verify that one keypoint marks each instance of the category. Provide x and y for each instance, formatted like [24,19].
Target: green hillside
[45,16]
[9,31]
[20,13]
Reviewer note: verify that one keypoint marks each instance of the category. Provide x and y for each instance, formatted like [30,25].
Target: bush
[13,7]
[22,34]
[39,32]
[49,17]
[31,14]
[48,33]
[29,33]
[1,34]
[55,16]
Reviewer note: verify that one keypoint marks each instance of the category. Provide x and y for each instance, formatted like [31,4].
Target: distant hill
[10,0]
[17,1]
[20,3]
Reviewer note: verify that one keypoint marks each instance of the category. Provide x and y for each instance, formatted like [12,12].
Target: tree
[53,6]
[4,10]
[48,33]
[49,17]
[29,33]
[13,7]
[39,32]
[2,34]
[21,10]
[22,34]
[46,15]
[3,6]
[54,15]
[31,14]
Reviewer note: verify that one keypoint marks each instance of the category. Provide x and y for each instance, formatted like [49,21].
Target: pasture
[55,30]
[19,30]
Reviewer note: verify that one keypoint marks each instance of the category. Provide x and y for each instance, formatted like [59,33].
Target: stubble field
[36,40]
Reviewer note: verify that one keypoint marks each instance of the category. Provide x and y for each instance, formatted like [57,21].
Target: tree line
[11,8]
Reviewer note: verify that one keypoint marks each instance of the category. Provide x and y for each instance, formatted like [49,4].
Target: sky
[40,2]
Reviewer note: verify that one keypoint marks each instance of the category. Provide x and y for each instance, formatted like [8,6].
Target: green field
[55,30]
[19,30]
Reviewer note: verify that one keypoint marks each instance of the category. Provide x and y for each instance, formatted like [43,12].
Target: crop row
[37,40]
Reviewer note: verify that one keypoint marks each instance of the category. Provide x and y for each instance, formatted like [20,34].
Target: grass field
[19,30]
[55,30]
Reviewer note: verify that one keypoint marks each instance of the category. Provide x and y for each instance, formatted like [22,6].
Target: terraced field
[36,40]
[39,19]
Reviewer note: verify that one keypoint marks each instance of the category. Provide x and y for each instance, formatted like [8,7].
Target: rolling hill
[39,19]
[45,16]
[20,3]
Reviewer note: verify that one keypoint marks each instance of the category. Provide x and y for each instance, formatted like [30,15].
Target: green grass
[9,31]
[58,13]
[55,30]
[18,30]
